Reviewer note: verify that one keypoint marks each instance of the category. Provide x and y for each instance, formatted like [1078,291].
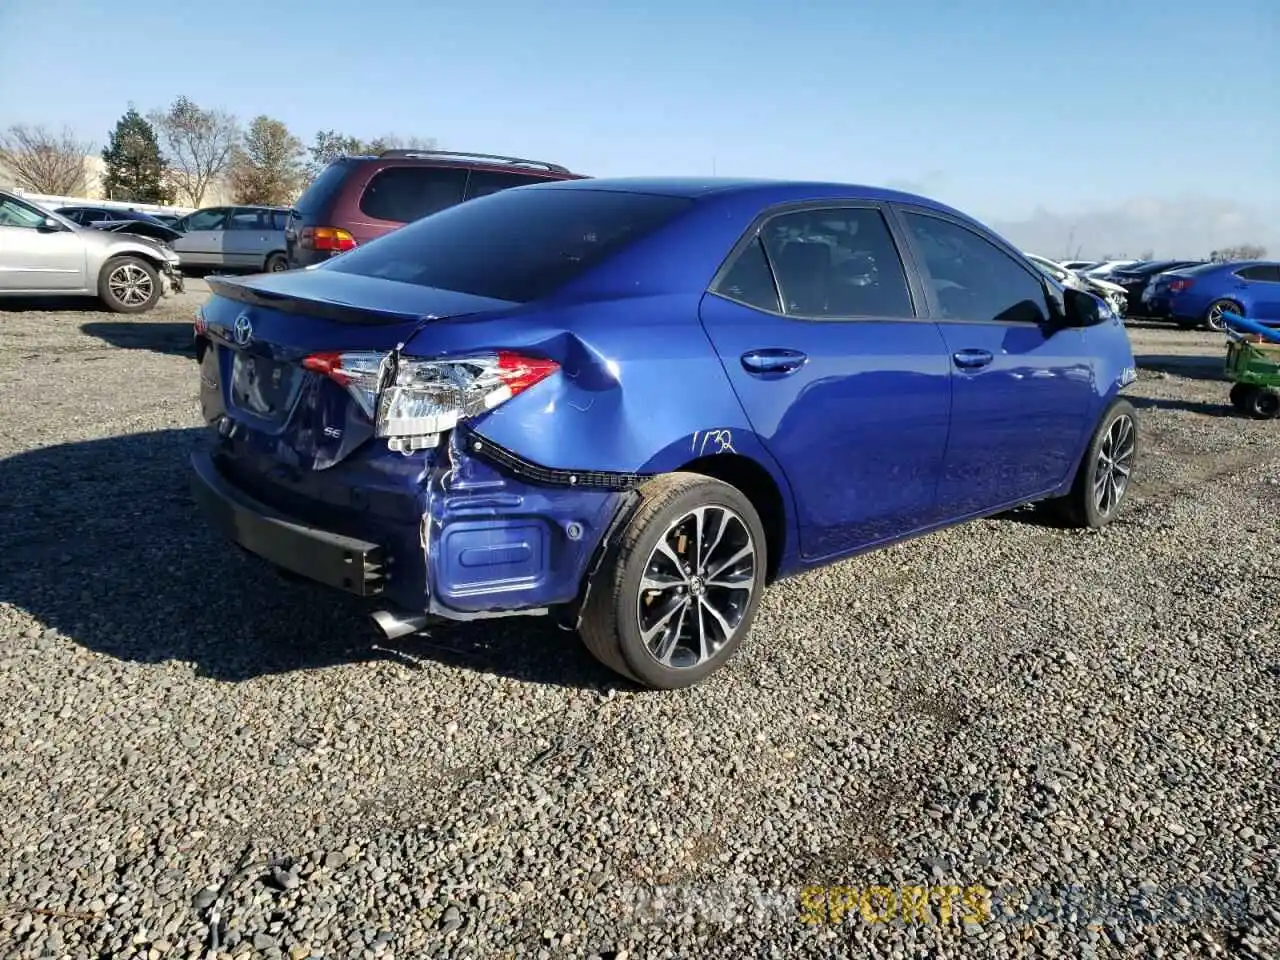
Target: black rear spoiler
[243,291]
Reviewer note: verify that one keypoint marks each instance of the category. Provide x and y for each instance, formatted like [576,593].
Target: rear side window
[516,245]
[1264,272]
[317,198]
[403,194]
[485,182]
[247,220]
[972,278]
[837,262]
[750,280]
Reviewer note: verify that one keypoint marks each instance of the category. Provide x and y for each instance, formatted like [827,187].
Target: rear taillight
[1177,286]
[427,397]
[333,239]
[201,324]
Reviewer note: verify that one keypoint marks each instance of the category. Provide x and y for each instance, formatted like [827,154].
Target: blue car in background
[634,403]
[1198,296]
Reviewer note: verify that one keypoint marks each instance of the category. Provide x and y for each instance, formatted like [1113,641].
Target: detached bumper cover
[347,563]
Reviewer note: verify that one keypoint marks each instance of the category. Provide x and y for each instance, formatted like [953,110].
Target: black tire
[277,263]
[1082,506]
[1264,404]
[123,280]
[1242,396]
[1213,316]
[611,618]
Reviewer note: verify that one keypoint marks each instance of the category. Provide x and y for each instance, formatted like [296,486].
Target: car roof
[764,191]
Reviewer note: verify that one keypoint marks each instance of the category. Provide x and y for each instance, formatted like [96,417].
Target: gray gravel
[195,752]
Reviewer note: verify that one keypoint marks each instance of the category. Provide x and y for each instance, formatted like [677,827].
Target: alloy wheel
[1115,465]
[130,285]
[1214,319]
[696,587]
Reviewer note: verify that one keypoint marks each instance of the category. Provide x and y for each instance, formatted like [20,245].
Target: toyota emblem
[243,330]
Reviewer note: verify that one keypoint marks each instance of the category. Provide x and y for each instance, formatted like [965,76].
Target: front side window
[515,245]
[211,219]
[972,278]
[404,194]
[15,214]
[837,262]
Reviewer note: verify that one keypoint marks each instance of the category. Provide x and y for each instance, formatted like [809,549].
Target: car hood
[119,242]
[1105,285]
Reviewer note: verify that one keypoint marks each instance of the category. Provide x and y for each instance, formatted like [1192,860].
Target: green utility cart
[1253,366]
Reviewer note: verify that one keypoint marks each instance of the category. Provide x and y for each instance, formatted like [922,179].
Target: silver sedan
[44,253]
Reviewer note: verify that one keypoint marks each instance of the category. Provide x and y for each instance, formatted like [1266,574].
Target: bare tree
[200,146]
[45,162]
[1241,251]
[329,145]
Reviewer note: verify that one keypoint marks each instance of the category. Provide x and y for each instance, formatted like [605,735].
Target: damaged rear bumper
[478,533]
[347,563]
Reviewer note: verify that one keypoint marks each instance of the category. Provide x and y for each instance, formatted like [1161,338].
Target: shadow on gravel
[51,304]
[1223,409]
[173,339]
[1192,367]
[103,543]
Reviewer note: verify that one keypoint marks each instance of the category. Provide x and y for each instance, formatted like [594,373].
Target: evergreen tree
[135,169]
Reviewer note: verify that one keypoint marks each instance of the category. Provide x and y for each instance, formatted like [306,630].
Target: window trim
[935,314]
[915,290]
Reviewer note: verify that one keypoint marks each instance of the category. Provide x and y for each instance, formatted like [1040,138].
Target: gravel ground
[1081,726]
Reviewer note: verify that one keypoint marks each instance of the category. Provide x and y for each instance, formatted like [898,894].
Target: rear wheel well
[756,485]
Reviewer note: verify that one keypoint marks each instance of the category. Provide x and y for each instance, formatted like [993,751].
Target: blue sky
[998,107]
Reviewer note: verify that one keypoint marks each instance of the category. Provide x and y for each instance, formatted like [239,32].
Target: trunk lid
[261,329]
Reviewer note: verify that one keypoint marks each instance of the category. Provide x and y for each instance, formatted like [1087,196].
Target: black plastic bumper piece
[356,566]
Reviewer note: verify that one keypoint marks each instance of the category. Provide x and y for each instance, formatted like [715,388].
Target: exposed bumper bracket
[484,449]
[356,566]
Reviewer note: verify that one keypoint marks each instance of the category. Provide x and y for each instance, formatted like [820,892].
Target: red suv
[357,199]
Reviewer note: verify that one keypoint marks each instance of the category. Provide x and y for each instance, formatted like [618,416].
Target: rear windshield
[521,244]
[317,196]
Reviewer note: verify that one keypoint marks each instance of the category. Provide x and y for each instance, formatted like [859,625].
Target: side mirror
[50,225]
[1083,309]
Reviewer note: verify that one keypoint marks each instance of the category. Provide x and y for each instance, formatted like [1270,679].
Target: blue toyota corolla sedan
[634,403]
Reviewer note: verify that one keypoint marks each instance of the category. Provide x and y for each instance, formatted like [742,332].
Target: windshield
[519,245]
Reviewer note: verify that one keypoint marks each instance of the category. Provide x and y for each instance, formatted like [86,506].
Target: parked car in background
[42,253]
[1110,292]
[357,199]
[1134,279]
[1079,264]
[1197,296]
[247,238]
[168,219]
[88,216]
[635,403]
[1103,270]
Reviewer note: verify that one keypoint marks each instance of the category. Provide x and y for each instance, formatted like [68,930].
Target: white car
[1109,266]
[1113,293]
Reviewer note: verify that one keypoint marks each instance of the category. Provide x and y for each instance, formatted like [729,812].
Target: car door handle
[972,359]
[774,360]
